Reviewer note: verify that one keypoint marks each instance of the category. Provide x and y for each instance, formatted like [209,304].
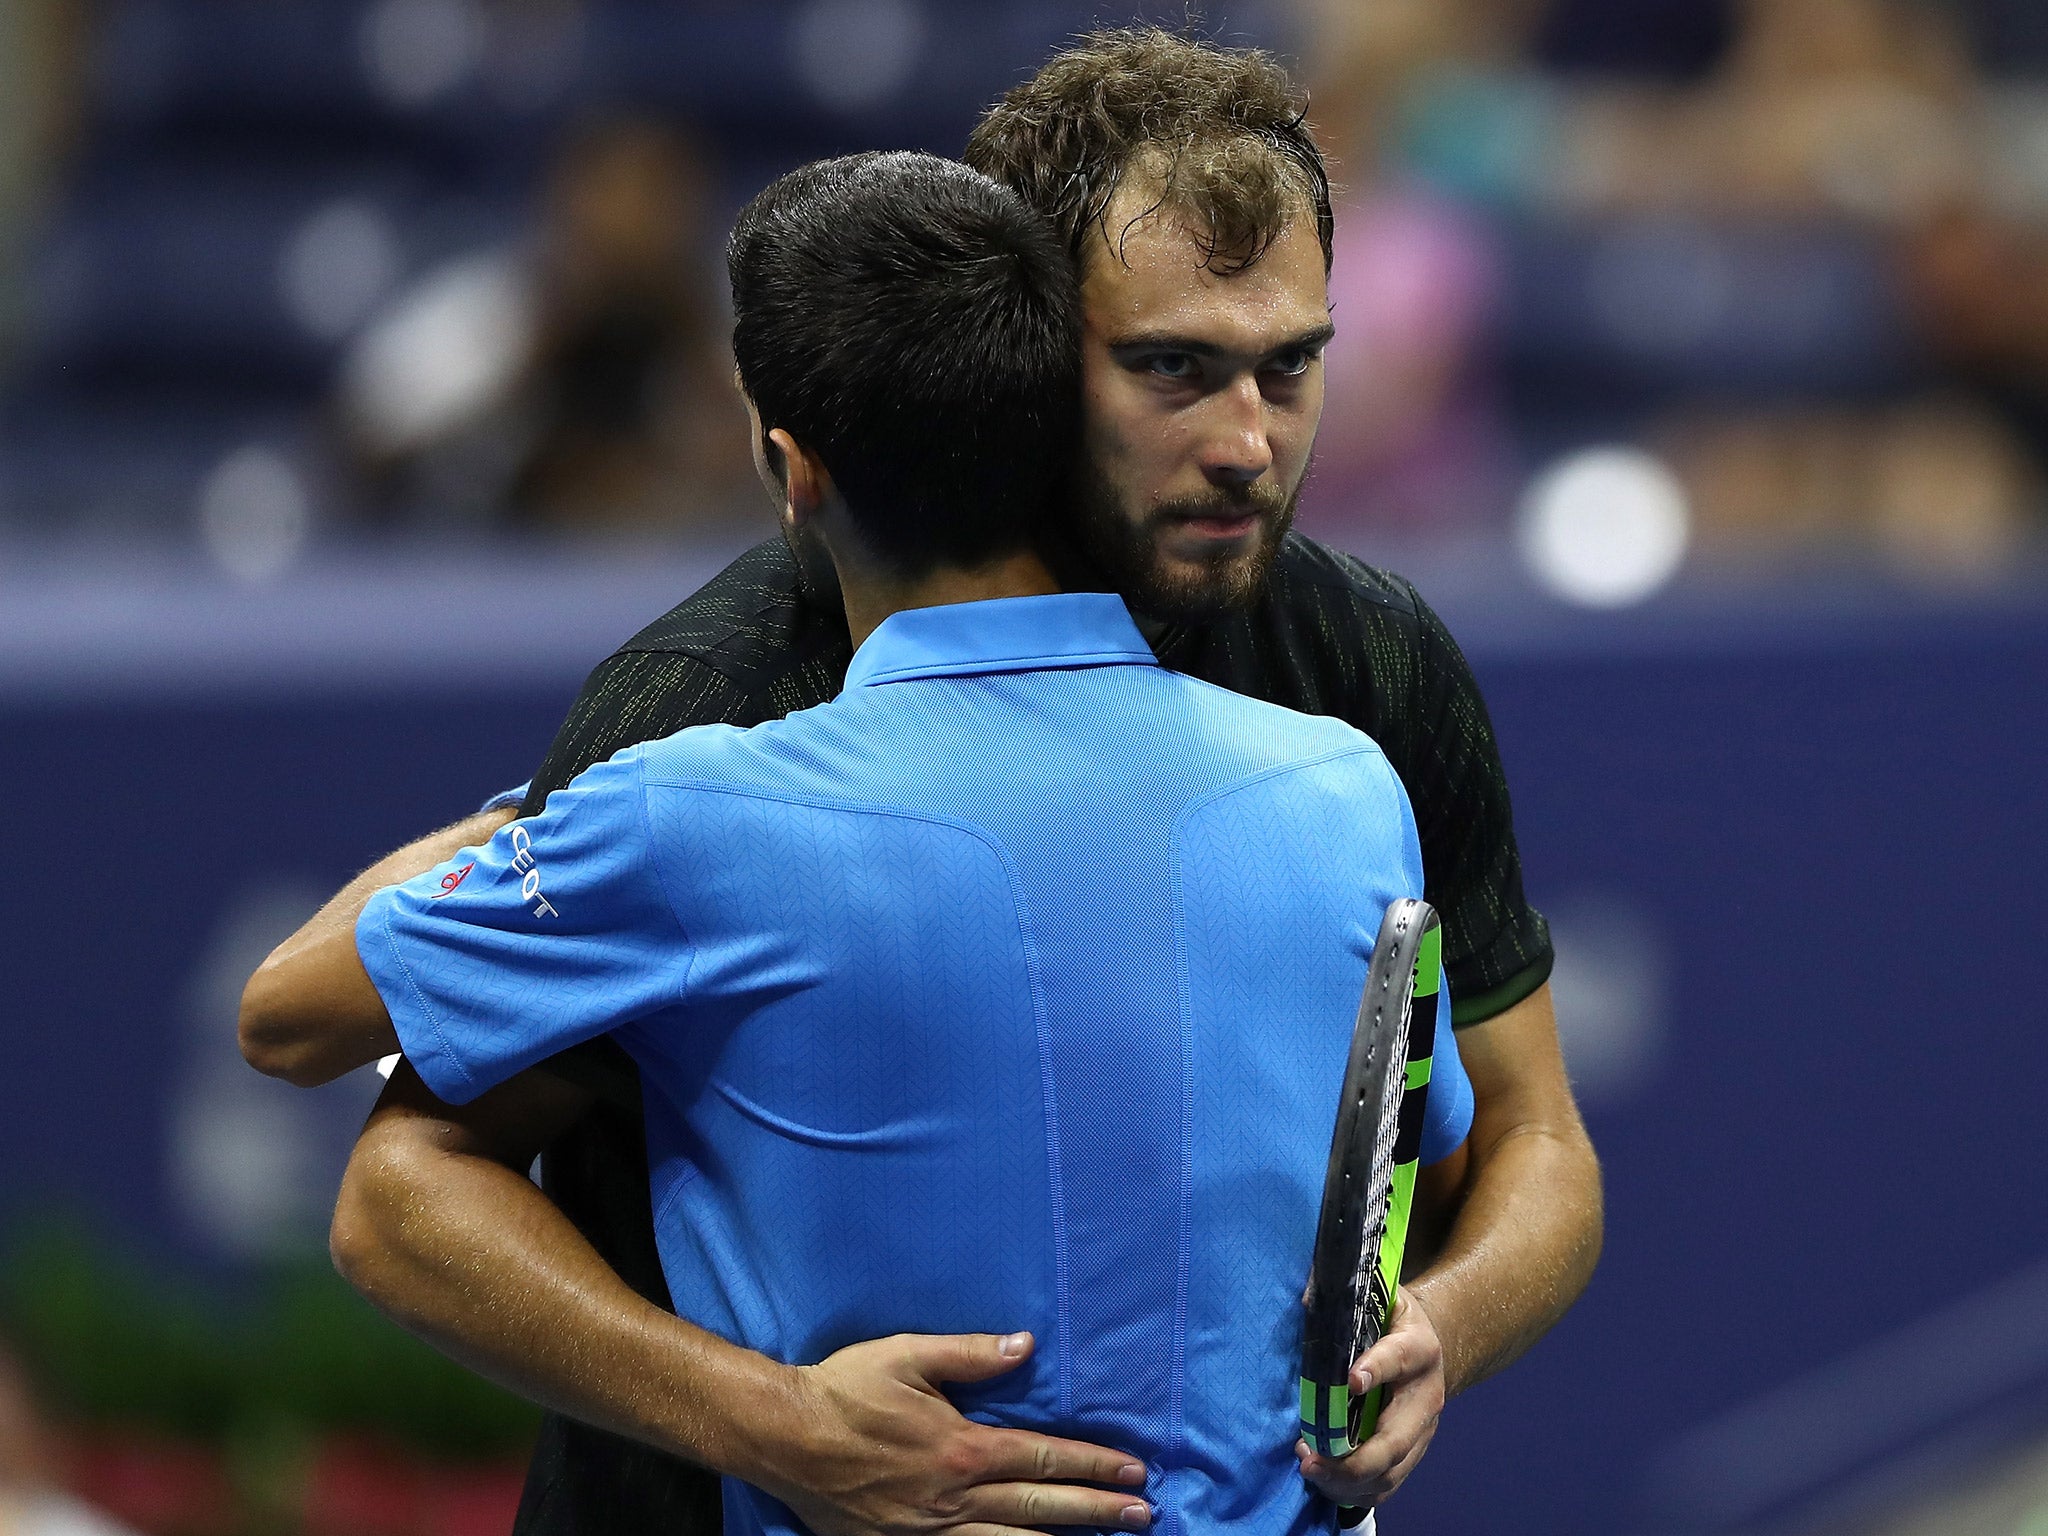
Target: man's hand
[1408,1362]
[439,1227]
[879,1449]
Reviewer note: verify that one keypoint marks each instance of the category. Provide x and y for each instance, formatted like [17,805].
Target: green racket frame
[1397,1021]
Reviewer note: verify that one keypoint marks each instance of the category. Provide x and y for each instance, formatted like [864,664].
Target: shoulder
[750,645]
[752,622]
[760,587]
[1310,578]
[1367,633]
[1327,634]
[1260,737]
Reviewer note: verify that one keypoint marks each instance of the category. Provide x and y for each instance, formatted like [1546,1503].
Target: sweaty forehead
[1148,274]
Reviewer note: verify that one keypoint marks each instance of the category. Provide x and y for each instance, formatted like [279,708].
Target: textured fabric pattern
[913,982]
[1330,635]
[1256,936]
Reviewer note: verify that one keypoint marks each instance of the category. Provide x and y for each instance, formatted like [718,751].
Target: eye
[1179,366]
[1292,364]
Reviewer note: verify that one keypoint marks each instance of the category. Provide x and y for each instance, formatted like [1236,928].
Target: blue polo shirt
[1009,990]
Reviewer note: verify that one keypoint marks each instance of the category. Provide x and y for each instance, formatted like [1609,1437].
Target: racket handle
[1327,1417]
[1335,1424]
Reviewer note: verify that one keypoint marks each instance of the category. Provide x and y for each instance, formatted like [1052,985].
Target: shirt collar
[1001,634]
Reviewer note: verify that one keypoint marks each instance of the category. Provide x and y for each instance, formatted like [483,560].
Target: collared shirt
[1008,990]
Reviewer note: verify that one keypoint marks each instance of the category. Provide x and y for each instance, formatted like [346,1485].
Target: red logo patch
[453,878]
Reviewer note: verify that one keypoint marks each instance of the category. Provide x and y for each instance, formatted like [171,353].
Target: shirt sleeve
[1447,1113]
[507,799]
[556,931]
[1497,947]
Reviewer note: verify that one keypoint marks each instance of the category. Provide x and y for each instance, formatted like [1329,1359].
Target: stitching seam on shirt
[690,1175]
[1176,1388]
[1364,747]
[668,898]
[420,997]
[1056,1186]
[1178,1422]
[1177,1407]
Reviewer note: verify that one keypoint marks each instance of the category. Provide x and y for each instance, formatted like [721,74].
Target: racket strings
[1369,1298]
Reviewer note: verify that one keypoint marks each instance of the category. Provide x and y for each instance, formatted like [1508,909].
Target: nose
[1235,451]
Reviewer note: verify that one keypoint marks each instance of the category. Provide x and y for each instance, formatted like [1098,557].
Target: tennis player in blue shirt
[1008,992]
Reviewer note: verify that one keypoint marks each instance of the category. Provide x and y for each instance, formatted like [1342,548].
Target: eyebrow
[1166,341]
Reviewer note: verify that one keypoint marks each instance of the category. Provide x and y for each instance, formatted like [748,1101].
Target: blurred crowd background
[364,379]
[273,278]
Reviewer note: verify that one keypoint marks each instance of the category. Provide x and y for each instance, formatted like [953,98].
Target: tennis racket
[1370,1187]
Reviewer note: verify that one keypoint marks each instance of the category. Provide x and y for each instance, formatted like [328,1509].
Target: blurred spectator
[31,1502]
[1938,488]
[40,50]
[1978,284]
[1867,115]
[1825,127]
[585,387]
[1856,107]
[1413,442]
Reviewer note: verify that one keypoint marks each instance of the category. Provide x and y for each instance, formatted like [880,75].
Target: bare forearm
[1519,1254]
[1527,1226]
[309,1013]
[439,1229]
[466,1253]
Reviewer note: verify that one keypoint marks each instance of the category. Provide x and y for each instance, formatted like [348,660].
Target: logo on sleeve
[452,879]
[529,869]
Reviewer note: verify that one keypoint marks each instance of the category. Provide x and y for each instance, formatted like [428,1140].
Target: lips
[1222,527]
[1211,529]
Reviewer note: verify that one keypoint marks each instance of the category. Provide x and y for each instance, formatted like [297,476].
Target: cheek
[1121,428]
[1292,433]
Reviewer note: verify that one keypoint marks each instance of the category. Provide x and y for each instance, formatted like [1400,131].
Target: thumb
[964,1356]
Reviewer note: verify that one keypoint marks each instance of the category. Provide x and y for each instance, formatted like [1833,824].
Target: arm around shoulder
[310,1012]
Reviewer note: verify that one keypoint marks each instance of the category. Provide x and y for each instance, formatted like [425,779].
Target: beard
[1123,551]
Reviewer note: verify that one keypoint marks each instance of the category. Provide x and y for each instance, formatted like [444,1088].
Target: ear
[806,484]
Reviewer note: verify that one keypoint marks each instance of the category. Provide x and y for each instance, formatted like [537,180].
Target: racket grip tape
[1326,1417]
[1329,1417]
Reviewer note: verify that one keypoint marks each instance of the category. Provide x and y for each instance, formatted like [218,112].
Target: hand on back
[879,1449]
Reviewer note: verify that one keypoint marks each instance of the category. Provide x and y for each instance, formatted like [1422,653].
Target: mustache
[1262,500]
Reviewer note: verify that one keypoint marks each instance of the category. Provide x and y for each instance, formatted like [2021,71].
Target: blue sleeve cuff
[1450,1115]
[507,799]
[1448,1119]
[420,1039]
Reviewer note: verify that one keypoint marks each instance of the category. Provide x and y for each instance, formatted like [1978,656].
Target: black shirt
[1329,635]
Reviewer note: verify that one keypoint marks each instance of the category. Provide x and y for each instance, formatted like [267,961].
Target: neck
[872,595]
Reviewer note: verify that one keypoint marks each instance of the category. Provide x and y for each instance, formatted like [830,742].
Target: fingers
[962,1356]
[1373,1471]
[1034,1506]
[1410,1348]
[1408,1416]
[1398,1473]
[1016,1455]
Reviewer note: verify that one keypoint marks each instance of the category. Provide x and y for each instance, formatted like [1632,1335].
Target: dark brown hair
[1218,133]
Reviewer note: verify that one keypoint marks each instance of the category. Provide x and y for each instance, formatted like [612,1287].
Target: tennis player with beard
[1191,194]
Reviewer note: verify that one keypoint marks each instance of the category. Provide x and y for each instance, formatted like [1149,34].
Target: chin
[1190,591]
